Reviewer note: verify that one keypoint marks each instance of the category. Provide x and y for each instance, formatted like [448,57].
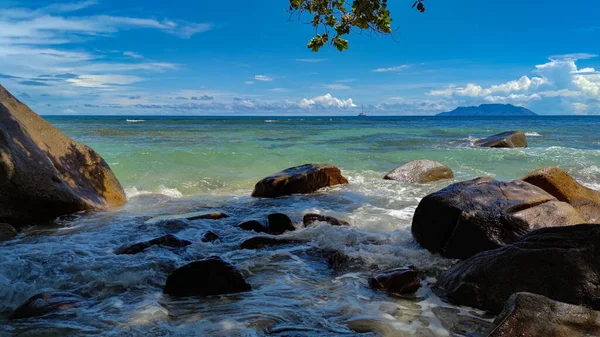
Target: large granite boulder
[509,139]
[44,173]
[46,303]
[527,314]
[562,186]
[302,179]
[481,214]
[420,171]
[560,263]
[211,276]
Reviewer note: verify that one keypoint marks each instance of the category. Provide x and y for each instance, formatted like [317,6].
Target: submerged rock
[45,303]
[420,171]
[527,314]
[560,263]
[167,241]
[562,186]
[7,232]
[188,216]
[254,225]
[211,276]
[510,139]
[210,236]
[280,223]
[397,281]
[45,174]
[262,241]
[481,214]
[302,179]
[209,216]
[311,218]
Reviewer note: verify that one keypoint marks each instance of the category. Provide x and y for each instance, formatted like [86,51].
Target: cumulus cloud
[326,101]
[559,78]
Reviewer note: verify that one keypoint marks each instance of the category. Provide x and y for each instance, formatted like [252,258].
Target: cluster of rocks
[529,247]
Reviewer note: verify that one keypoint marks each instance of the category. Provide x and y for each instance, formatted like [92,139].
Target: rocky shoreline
[523,244]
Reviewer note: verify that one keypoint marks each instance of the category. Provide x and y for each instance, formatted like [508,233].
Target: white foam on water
[135,120]
[532,134]
[269,121]
[174,193]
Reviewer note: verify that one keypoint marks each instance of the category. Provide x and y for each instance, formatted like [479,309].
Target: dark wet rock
[302,179]
[558,262]
[527,314]
[209,216]
[565,188]
[44,173]
[280,223]
[263,241]
[311,218]
[420,171]
[7,232]
[211,276]
[254,225]
[210,236]
[397,281]
[173,225]
[481,214]
[461,325]
[510,139]
[166,241]
[338,260]
[46,303]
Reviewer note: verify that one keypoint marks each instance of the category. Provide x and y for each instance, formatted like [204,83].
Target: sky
[151,57]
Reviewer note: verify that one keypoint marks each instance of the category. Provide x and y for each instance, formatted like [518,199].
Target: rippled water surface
[180,165]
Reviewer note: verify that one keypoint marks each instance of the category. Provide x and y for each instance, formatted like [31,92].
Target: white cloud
[574,56]
[279,90]
[326,101]
[337,86]
[315,60]
[132,55]
[391,69]
[249,82]
[559,82]
[263,78]
[102,81]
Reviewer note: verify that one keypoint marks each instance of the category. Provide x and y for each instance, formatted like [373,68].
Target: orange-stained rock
[564,188]
[44,173]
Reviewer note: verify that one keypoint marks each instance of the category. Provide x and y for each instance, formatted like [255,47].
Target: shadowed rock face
[508,139]
[562,186]
[46,303]
[527,314]
[420,171]
[211,276]
[398,281]
[481,214]
[302,179]
[44,173]
[7,232]
[280,223]
[560,263]
[311,218]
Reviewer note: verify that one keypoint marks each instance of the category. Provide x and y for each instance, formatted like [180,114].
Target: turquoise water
[178,165]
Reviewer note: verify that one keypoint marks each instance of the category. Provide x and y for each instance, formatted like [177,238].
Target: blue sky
[247,58]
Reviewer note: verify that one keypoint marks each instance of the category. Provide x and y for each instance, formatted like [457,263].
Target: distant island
[489,110]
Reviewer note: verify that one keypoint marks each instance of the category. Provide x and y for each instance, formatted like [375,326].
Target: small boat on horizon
[362,114]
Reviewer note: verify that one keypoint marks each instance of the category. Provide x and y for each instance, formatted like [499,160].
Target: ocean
[173,165]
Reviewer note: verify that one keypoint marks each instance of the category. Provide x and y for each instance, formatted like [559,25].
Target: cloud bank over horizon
[86,58]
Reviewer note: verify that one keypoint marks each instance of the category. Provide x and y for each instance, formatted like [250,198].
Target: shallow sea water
[178,165]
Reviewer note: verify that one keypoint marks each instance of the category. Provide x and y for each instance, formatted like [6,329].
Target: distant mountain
[489,110]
